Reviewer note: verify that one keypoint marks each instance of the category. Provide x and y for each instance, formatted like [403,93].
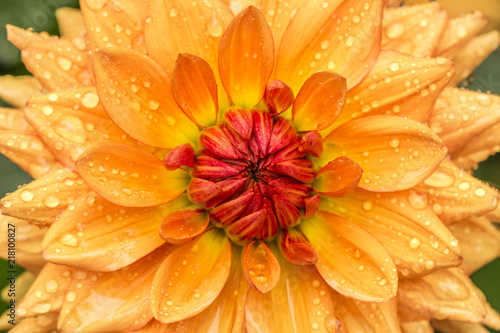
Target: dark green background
[40,16]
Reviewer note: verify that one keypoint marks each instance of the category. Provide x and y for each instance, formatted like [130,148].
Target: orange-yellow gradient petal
[319,102]
[318,39]
[260,266]
[246,57]
[190,279]
[76,238]
[195,89]
[103,302]
[338,177]
[16,90]
[300,302]
[395,153]
[405,224]
[351,260]
[128,176]
[136,93]
[43,200]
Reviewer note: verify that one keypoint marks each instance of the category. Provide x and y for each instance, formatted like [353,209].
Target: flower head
[272,169]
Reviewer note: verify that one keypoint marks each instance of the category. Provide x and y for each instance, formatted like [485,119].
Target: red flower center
[253,174]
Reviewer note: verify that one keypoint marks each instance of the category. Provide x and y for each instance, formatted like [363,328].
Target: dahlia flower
[259,166]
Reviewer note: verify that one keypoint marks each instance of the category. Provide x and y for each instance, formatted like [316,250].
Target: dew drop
[394,143]
[214,27]
[71,296]
[26,195]
[394,67]
[395,30]
[367,205]
[90,100]
[414,243]
[173,12]
[47,110]
[480,192]
[68,240]
[51,201]
[41,308]
[51,286]
[64,63]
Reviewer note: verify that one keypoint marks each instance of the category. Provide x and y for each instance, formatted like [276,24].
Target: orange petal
[454,194]
[41,323]
[16,90]
[260,266]
[357,316]
[278,97]
[183,225]
[460,115]
[206,260]
[296,248]
[102,302]
[46,293]
[394,153]
[76,238]
[400,85]
[194,89]
[123,28]
[319,102]
[128,176]
[192,27]
[445,294]
[459,31]
[70,121]
[351,260]
[13,119]
[414,30]
[246,58]
[475,151]
[43,200]
[300,302]
[58,63]
[479,241]
[338,177]
[225,314]
[70,22]
[420,326]
[27,151]
[146,109]
[318,39]
[406,226]
[277,14]
[472,54]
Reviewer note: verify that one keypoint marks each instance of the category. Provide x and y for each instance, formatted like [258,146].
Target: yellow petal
[421,326]
[58,63]
[414,30]
[459,31]
[195,89]
[453,326]
[129,176]
[260,266]
[23,283]
[27,151]
[492,318]
[16,90]
[300,302]
[13,119]
[475,151]
[246,57]
[400,85]
[70,121]
[445,294]
[472,54]
[319,102]
[406,226]
[111,302]
[70,22]
[146,109]
[194,27]
[479,241]
[43,200]
[191,278]
[76,238]
[110,23]
[319,39]
[46,293]
[357,316]
[454,194]
[351,260]
[394,153]
[460,115]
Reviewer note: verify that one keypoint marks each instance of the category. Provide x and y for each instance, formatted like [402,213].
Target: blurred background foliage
[40,15]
